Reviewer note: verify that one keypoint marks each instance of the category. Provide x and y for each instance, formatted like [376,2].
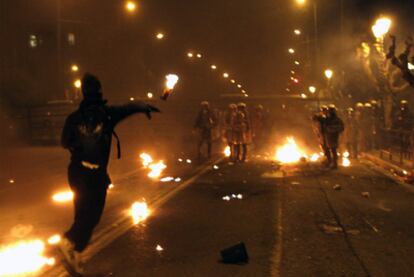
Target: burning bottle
[171,81]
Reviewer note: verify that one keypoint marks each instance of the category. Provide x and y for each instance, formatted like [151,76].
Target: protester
[87,134]
[319,120]
[230,118]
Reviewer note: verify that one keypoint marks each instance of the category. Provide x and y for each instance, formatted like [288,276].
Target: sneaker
[72,259]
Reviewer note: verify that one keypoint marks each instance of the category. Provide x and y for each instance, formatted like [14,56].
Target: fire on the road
[139,211]
[289,152]
[227,151]
[156,169]
[64,196]
[345,159]
[146,159]
[23,258]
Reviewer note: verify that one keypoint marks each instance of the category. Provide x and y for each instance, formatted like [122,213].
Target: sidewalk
[390,165]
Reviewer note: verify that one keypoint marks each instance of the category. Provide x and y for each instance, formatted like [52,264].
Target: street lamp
[150,95]
[328,74]
[160,36]
[226,75]
[77,84]
[190,55]
[297,62]
[199,56]
[297,32]
[233,81]
[130,6]
[300,2]
[312,89]
[74,68]
[213,66]
[239,86]
[291,51]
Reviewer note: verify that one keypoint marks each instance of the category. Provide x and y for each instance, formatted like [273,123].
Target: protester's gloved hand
[151,109]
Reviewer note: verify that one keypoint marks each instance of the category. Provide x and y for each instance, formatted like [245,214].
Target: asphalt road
[292,221]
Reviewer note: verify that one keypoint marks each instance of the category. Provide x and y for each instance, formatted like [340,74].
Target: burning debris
[290,152]
[23,258]
[139,211]
[232,197]
[159,248]
[171,81]
[63,197]
[55,239]
[167,179]
[227,151]
[156,169]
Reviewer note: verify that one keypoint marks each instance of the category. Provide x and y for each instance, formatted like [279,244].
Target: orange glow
[23,258]
[227,151]
[64,196]
[290,152]
[139,211]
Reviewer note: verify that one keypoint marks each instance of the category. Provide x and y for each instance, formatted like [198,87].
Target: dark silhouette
[87,134]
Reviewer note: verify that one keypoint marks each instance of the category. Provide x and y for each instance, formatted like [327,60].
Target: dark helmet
[332,109]
[91,87]
[324,108]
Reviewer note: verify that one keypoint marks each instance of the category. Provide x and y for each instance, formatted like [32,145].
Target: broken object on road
[236,254]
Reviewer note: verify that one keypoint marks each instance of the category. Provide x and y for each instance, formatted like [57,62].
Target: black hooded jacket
[87,132]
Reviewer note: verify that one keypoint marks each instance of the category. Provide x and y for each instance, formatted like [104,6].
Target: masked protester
[319,127]
[334,126]
[205,123]
[87,134]
[230,118]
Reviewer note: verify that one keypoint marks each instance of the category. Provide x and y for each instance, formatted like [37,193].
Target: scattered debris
[236,254]
[331,229]
[366,194]
[337,187]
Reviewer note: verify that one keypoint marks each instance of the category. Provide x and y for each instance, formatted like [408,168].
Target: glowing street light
[150,95]
[190,55]
[297,32]
[381,27]
[77,83]
[292,71]
[297,62]
[213,66]
[130,6]
[304,96]
[160,36]
[300,2]
[291,51]
[199,56]
[239,86]
[233,81]
[226,75]
[312,89]
[328,74]
[74,68]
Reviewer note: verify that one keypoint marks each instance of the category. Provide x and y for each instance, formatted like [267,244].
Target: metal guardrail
[396,145]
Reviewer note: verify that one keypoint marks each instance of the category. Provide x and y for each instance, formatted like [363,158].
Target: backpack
[95,124]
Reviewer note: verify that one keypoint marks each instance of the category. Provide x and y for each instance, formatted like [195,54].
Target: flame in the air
[172,80]
[290,152]
[23,258]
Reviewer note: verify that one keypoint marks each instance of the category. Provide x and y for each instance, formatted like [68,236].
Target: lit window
[34,41]
[71,39]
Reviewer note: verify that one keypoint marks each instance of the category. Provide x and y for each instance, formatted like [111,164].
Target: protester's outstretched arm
[119,113]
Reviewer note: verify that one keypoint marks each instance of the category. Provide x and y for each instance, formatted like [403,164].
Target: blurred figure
[363,126]
[241,131]
[319,120]
[230,119]
[258,126]
[205,123]
[87,134]
[334,126]
[351,133]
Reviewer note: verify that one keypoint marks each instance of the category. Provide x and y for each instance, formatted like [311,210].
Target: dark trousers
[90,189]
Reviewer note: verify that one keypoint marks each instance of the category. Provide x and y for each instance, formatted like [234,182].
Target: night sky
[249,39]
